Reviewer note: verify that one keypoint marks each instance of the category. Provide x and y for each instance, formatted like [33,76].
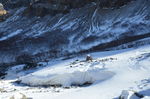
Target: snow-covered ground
[104,77]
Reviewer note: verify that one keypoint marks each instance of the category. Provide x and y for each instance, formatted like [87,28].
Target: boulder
[129,94]
[3,13]
[18,96]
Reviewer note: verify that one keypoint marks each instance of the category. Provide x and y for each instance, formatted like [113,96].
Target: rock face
[53,7]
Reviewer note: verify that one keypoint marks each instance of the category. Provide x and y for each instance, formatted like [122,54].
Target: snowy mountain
[47,32]
[78,49]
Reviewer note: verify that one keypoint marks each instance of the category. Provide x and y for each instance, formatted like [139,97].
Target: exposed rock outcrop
[2,10]
[3,13]
[128,94]
[53,7]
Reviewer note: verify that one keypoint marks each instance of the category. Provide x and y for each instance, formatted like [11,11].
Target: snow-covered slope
[107,75]
[89,28]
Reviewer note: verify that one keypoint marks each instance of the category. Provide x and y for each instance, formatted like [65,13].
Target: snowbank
[68,79]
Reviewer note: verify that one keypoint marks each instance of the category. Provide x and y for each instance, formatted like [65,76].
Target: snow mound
[68,79]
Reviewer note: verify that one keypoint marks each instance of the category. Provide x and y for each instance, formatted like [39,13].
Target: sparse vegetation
[26,59]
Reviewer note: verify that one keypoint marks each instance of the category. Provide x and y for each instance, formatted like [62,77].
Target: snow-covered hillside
[43,46]
[105,77]
[89,28]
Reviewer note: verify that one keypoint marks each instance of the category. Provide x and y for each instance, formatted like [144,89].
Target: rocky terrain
[52,28]
[44,44]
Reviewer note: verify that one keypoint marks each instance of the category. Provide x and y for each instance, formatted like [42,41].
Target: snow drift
[67,79]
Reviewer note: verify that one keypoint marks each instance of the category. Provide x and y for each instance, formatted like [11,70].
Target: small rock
[128,94]
[89,58]
[2,90]
[3,13]
[18,96]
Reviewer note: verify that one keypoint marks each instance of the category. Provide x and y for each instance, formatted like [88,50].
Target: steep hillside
[52,28]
